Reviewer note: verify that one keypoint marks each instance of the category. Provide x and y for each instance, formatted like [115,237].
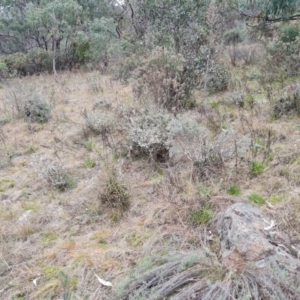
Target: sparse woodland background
[127,128]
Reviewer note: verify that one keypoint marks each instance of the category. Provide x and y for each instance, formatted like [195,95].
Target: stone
[25,217]
[16,195]
[3,197]
[247,239]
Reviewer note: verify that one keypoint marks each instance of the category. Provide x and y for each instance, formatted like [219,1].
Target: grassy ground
[53,242]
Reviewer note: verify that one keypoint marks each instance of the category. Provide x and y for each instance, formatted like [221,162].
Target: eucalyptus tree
[169,21]
[268,11]
[68,30]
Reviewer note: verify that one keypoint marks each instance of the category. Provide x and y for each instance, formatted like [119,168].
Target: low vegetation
[125,131]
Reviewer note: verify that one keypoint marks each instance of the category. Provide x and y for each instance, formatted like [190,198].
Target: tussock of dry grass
[201,276]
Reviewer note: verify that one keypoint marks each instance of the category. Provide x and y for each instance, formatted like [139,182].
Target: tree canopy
[268,10]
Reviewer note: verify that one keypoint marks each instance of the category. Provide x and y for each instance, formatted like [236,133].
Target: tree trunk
[54,61]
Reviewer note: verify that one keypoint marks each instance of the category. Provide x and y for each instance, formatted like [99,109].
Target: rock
[25,217]
[102,103]
[151,191]
[3,197]
[16,196]
[248,239]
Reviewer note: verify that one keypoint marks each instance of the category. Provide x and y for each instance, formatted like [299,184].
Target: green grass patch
[203,191]
[71,182]
[234,190]
[48,236]
[89,163]
[31,206]
[256,198]
[51,271]
[136,239]
[201,216]
[89,146]
[256,168]
[276,199]
[6,184]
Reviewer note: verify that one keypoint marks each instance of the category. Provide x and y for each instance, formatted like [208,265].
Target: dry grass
[199,275]
[68,236]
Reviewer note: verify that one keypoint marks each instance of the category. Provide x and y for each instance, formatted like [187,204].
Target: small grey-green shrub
[58,177]
[289,32]
[22,64]
[191,142]
[287,104]
[163,138]
[237,98]
[26,103]
[100,122]
[234,36]
[114,193]
[187,139]
[148,136]
[282,60]
[3,71]
[37,109]
[217,78]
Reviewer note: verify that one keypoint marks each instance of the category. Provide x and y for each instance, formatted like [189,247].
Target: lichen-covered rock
[250,238]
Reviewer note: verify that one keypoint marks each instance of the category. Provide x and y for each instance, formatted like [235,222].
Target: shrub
[58,178]
[114,194]
[217,78]
[40,61]
[245,53]
[35,61]
[161,137]
[256,198]
[241,99]
[282,60]
[126,69]
[250,101]
[3,70]
[37,109]
[187,138]
[164,78]
[28,104]
[238,98]
[149,136]
[287,104]
[17,64]
[188,141]
[99,122]
[289,32]
[234,36]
